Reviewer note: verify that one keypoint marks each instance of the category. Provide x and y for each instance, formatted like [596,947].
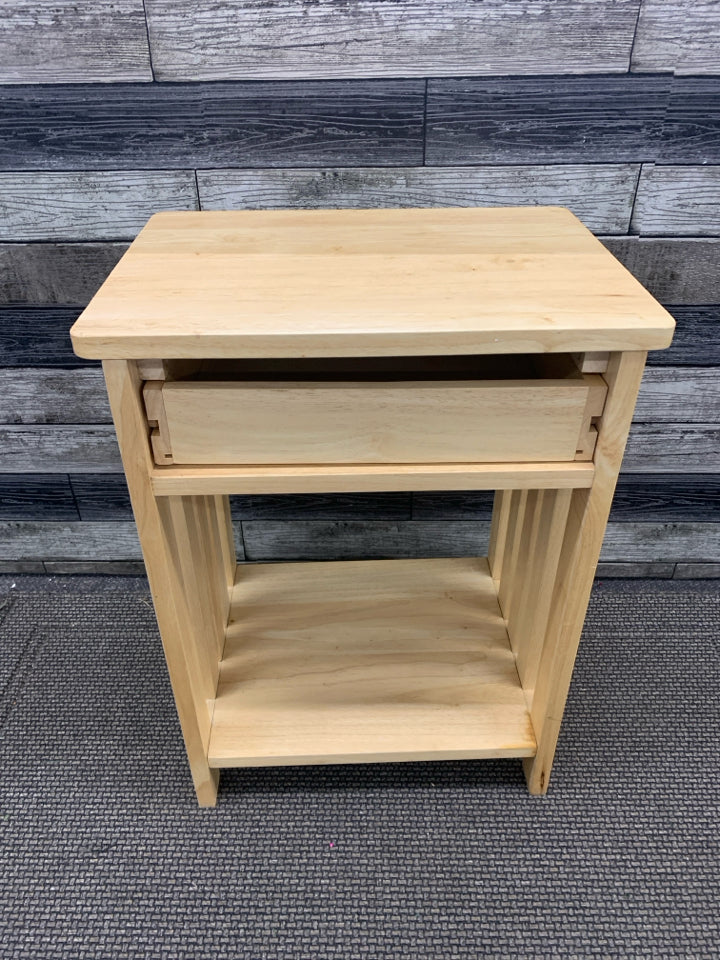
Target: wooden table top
[368,283]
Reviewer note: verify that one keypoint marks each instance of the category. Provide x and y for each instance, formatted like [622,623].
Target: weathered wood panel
[101,496]
[38,540]
[52,540]
[128,127]
[673,448]
[71,42]
[333,38]
[368,539]
[545,120]
[600,195]
[662,541]
[90,205]
[678,201]
[678,36]
[638,497]
[94,568]
[38,336]
[38,395]
[697,571]
[675,271]
[55,272]
[697,338]
[338,506]
[45,396]
[315,540]
[691,131]
[618,570]
[37,497]
[682,395]
[667,498]
[63,449]
[453,505]
[318,540]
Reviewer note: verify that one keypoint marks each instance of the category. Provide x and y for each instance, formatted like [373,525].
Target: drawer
[374,414]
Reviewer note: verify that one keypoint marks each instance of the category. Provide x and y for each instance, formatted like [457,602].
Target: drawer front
[374,422]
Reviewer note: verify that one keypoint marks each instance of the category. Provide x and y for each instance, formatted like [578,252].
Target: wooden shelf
[364,661]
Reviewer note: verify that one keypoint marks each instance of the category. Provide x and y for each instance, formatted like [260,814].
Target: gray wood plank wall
[608,107]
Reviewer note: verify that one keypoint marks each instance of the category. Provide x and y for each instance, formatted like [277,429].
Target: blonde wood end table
[371,350]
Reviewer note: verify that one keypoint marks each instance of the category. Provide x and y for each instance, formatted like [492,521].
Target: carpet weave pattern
[105,854]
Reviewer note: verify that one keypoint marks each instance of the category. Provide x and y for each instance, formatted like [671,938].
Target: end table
[371,350]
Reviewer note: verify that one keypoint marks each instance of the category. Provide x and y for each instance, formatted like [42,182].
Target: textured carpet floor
[105,854]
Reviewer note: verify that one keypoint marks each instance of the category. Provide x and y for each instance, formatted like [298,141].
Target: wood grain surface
[601,195]
[42,496]
[681,271]
[38,336]
[368,283]
[545,119]
[673,448]
[71,42]
[39,395]
[72,448]
[677,36]
[697,338]
[62,273]
[691,128]
[678,201]
[133,126]
[273,540]
[85,205]
[332,38]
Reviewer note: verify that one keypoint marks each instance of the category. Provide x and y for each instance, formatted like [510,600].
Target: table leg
[582,542]
[165,537]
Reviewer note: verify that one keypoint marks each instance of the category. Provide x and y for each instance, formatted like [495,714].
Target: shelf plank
[364,478]
[367,661]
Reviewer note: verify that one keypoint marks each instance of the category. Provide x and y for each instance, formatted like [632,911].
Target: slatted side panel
[609,107]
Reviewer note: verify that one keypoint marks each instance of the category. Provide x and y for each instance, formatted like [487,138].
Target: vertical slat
[227,541]
[587,519]
[498,532]
[157,536]
[508,585]
[528,633]
[517,616]
[216,568]
[191,559]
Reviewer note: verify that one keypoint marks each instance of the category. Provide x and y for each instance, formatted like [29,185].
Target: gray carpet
[105,854]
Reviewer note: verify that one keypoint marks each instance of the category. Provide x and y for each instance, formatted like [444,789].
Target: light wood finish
[498,533]
[326,478]
[163,560]
[157,419]
[592,361]
[588,514]
[429,422]
[368,283]
[364,661]
[528,622]
[367,661]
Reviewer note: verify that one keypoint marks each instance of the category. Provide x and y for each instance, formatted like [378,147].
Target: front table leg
[171,529]
[587,519]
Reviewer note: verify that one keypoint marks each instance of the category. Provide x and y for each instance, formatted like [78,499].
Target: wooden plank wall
[113,110]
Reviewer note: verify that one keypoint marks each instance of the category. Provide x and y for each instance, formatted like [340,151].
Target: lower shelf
[365,661]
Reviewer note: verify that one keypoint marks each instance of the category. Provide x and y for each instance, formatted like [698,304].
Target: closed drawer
[372,421]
